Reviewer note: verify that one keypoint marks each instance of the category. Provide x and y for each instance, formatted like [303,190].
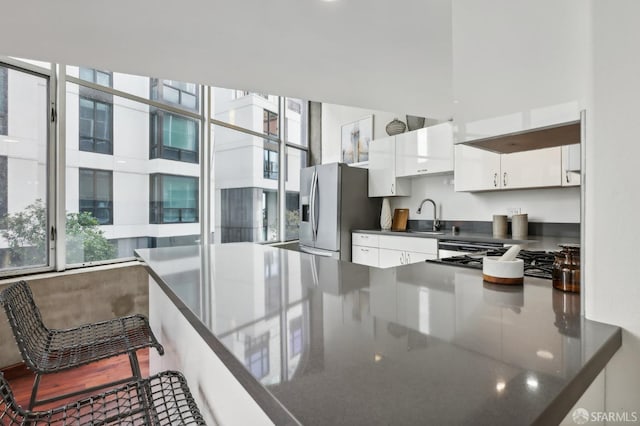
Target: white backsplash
[560,205]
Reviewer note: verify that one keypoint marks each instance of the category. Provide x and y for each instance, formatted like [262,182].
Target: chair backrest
[10,411]
[25,321]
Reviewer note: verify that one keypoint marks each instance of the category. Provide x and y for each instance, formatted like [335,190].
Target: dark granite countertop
[417,344]
[533,242]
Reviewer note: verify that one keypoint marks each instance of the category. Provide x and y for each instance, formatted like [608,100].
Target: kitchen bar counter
[331,342]
[533,242]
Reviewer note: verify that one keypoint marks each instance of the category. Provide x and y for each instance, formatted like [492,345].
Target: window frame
[156,208]
[94,201]
[158,94]
[4,100]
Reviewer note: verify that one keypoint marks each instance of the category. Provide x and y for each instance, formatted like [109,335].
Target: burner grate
[536,263]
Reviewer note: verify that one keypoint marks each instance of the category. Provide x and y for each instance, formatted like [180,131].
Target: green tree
[26,233]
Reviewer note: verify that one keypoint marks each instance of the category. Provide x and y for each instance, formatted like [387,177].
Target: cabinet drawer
[415,244]
[364,255]
[416,257]
[367,240]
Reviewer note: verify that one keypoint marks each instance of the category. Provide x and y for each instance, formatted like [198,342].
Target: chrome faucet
[436,222]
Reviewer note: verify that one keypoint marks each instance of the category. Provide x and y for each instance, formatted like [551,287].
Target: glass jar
[566,268]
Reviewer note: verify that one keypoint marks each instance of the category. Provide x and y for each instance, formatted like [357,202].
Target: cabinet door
[425,151]
[571,164]
[476,169]
[417,257]
[382,167]
[382,170]
[364,255]
[389,258]
[532,169]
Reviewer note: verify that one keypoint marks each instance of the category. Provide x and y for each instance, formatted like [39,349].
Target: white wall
[613,149]
[542,205]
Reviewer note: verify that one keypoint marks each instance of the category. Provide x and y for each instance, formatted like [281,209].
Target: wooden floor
[109,370]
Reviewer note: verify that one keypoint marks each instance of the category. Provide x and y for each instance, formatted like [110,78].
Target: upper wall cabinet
[571,165]
[509,76]
[480,170]
[382,170]
[425,151]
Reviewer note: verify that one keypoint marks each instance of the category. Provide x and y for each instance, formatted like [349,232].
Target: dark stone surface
[417,344]
[535,228]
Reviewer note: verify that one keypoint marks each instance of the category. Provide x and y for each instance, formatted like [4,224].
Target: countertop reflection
[340,343]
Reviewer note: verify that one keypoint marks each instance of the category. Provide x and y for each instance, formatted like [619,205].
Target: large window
[4,100]
[270,123]
[173,199]
[103,78]
[96,194]
[24,171]
[256,355]
[174,137]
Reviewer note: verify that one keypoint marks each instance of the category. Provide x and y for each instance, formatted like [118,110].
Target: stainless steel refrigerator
[333,202]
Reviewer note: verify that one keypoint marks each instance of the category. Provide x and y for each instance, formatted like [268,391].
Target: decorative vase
[415,123]
[395,127]
[385,215]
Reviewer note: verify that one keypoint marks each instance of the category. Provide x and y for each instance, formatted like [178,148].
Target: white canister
[520,226]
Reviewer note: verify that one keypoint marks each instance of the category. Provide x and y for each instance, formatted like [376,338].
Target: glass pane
[180,132]
[171,95]
[86,74]
[188,100]
[244,201]
[296,160]
[103,78]
[24,241]
[240,108]
[122,199]
[297,121]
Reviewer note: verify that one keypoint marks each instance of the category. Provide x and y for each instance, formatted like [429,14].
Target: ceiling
[389,55]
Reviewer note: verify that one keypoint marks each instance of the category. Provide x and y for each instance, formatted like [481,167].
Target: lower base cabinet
[386,251]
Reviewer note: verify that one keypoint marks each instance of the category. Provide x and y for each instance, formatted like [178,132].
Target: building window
[174,137]
[173,199]
[103,78]
[4,101]
[96,125]
[294,106]
[96,194]
[270,163]
[175,93]
[270,123]
[256,355]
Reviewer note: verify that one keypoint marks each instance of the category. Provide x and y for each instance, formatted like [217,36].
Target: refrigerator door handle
[315,252]
[312,204]
[316,218]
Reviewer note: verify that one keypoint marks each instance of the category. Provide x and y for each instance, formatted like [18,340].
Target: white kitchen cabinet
[425,151]
[571,164]
[531,169]
[481,170]
[476,169]
[382,170]
[386,251]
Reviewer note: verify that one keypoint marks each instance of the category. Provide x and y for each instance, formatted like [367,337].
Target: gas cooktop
[536,263]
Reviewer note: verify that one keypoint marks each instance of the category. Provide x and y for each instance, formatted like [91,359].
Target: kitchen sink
[427,232]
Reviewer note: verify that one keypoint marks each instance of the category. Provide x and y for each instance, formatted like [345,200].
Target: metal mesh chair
[163,399]
[47,350]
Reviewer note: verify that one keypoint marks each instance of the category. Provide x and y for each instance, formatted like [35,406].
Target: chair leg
[34,391]
[135,367]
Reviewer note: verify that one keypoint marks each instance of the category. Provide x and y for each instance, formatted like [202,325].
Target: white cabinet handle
[392,189]
[402,258]
[495,180]
[422,170]
[504,179]
[362,249]
[566,174]
[408,258]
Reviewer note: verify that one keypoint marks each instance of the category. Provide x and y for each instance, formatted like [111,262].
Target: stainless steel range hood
[541,137]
